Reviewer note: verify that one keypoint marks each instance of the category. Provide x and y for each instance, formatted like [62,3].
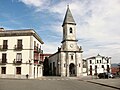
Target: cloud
[97,21]
[38,4]
[51,47]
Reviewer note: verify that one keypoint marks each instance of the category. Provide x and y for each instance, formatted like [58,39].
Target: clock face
[71,45]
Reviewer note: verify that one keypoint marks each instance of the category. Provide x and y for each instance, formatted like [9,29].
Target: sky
[98,23]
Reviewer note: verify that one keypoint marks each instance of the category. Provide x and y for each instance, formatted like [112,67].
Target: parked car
[110,75]
[105,75]
[102,75]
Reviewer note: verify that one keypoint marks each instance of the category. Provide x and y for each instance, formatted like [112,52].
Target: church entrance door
[72,69]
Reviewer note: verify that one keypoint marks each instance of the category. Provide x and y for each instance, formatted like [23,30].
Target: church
[67,61]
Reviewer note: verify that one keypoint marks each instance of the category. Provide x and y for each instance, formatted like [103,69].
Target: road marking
[53,79]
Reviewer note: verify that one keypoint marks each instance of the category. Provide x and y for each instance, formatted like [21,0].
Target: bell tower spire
[69,42]
[68,17]
[69,27]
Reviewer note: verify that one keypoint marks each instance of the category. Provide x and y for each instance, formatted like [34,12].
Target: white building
[98,64]
[84,68]
[67,61]
[20,54]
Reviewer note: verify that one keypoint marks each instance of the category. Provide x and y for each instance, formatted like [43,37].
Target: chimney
[1,29]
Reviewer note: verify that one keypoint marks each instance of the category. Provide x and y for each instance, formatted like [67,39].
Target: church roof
[68,18]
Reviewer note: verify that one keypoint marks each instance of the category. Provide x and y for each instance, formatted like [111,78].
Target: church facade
[67,61]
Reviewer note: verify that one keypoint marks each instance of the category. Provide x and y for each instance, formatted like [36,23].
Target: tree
[46,67]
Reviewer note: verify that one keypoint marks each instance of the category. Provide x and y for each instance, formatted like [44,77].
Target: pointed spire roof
[68,17]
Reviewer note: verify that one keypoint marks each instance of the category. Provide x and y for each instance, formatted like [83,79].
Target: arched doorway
[72,69]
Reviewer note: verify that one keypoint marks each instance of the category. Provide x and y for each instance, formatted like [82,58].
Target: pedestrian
[27,76]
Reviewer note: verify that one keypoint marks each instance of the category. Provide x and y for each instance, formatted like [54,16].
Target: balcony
[38,63]
[41,51]
[3,61]
[35,61]
[18,47]
[3,47]
[37,50]
[17,61]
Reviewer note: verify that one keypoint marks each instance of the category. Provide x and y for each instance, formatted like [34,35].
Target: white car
[110,75]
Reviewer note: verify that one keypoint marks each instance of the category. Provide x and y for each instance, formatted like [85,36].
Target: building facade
[67,61]
[20,54]
[43,56]
[115,69]
[98,64]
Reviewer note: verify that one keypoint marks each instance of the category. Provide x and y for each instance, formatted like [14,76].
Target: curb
[15,79]
[104,85]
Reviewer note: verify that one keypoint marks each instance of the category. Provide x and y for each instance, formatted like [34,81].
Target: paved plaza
[51,83]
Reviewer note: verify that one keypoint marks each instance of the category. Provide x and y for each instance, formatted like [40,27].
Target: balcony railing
[17,61]
[3,61]
[35,61]
[37,50]
[18,47]
[3,47]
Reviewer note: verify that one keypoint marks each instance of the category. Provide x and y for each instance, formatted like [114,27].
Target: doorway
[72,70]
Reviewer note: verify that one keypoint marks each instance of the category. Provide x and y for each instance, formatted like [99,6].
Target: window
[95,69]
[108,68]
[90,67]
[19,44]
[90,61]
[107,61]
[64,65]
[34,71]
[18,70]
[5,46]
[95,66]
[79,64]
[34,44]
[71,57]
[37,46]
[70,30]
[3,70]
[102,66]
[90,70]
[37,71]
[97,61]
[100,61]
[4,60]
[19,57]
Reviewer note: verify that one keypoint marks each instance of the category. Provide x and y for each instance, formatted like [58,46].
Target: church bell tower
[69,42]
[71,53]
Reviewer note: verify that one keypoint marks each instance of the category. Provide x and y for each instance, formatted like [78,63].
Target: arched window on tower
[70,30]
[71,57]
